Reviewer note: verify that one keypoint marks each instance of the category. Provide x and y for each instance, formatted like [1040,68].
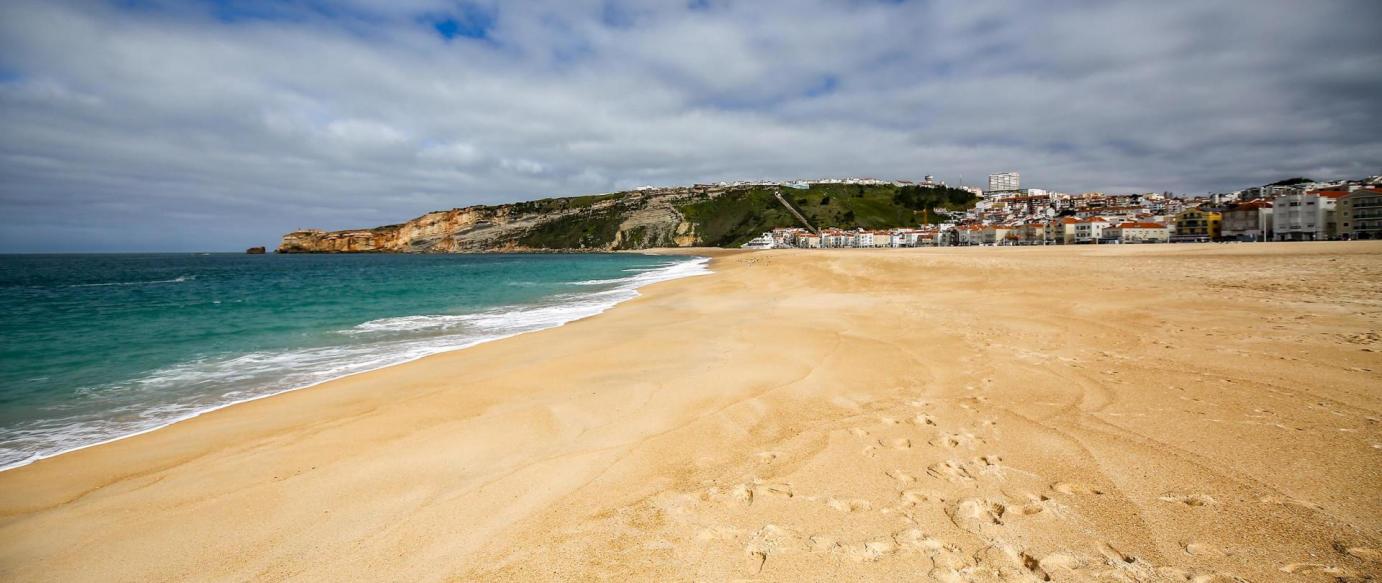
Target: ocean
[98,347]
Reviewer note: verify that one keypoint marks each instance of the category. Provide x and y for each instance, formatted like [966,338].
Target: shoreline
[1154,412]
[464,346]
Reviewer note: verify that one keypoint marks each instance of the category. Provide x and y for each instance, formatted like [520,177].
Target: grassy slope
[736,217]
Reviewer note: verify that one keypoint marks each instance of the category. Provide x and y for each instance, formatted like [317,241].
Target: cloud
[177,126]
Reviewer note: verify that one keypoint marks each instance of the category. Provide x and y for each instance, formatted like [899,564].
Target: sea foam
[209,384]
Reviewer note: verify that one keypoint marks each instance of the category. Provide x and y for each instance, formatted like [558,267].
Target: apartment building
[1359,214]
[1134,232]
[1197,224]
[1303,216]
[1248,221]
[1090,230]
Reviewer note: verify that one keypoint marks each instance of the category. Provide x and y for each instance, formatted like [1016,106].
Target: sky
[151,125]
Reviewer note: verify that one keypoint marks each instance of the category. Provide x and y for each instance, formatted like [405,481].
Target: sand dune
[1156,413]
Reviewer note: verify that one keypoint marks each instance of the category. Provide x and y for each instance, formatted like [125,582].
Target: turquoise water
[96,347]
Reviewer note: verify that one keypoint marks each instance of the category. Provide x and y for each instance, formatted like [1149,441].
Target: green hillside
[719,216]
[734,218]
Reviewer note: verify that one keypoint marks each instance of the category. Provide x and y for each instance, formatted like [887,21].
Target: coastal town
[1008,214]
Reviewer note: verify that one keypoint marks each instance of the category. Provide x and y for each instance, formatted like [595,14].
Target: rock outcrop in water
[701,215]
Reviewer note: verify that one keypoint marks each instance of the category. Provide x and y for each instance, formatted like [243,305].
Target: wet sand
[1114,413]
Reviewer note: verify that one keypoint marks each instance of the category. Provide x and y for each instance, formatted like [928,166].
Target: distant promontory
[715,215]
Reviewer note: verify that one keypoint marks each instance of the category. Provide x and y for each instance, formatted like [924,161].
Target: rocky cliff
[628,220]
[667,217]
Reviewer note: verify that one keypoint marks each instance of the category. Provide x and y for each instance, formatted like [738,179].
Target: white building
[1302,217]
[1134,232]
[764,241]
[1005,181]
[1090,230]
[836,238]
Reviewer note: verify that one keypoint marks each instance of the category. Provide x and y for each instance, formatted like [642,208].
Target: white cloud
[138,119]
[455,153]
[364,132]
[521,165]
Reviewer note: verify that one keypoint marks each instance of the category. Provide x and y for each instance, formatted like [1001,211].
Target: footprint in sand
[1036,506]
[769,541]
[954,440]
[1365,553]
[1011,563]
[924,419]
[917,497]
[823,544]
[900,476]
[871,550]
[849,504]
[746,493]
[1074,488]
[773,488]
[719,533]
[915,539]
[950,471]
[1114,555]
[1202,549]
[958,472]
[1193,500]
[742,493]
[859,432]
[1056,562]
[899,443]
[976,515]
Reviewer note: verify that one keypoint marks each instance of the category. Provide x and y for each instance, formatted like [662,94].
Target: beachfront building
[836,238]
[1062,231]
[1360,214]
[997,235]
[764,241]
[789,236]
[1134,232]
[808,241]
[928,237]
[1248,221]
[1304,216]
[925,237]
[969,235]
[1033,233]
[1196,224]
[1090,230]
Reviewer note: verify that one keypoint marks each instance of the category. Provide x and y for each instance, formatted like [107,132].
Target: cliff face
[631,220]
[666,217]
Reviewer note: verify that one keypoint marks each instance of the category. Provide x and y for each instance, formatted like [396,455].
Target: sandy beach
[1114,413]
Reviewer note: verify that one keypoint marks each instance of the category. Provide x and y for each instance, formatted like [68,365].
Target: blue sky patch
[472,22]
